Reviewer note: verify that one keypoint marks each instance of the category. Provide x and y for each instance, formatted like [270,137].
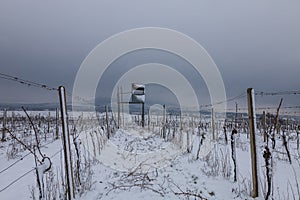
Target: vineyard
[149,100]
[174,156]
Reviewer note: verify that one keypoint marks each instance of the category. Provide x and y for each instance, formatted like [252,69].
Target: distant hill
[134,108]
[29,106]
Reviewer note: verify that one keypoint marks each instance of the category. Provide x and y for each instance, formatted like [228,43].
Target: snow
[137,86]
[138,98]
[136,163]
[21,188]
[43,167]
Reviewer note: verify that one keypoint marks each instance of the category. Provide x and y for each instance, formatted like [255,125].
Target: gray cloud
[254,43]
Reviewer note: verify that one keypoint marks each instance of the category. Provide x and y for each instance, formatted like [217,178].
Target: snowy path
[125,152]
[131,153]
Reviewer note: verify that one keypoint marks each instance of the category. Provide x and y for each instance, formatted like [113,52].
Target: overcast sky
[254,43]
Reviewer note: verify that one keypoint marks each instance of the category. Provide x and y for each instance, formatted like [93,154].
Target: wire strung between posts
[284,107]
[264,108]
[277,93]
[14,163]
[17,179]
[242,95]
[291,112]
[281,111]
[17,161]
[26,82]
[36,84]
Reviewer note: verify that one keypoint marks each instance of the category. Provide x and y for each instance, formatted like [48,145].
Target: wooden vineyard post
[298,132]
[188,150]
[264,126]
[56,123]
[13,120]
[119,112]
[233,153]
[49,119]
[192,125]
[149,120]
[252,124]
[236,115]
[143,114]
[66,143]
[107,124]
[181,129]
[3,139]
[122,107]
[164,122]
[213,123]
[276,127]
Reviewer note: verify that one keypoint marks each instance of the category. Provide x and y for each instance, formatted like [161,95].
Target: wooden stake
[56,123]
[107,124]
[252,124]
[149,120]
[264,126]
[192,125]
[298,132]
[66,143]
[13,120]
[119,115]
[164,121]
[276,127]
[188,142]
[233,154]
[213,123]
[236,114]
[49,118]
[143,115]
[4,127]
[181,128]
[122,107]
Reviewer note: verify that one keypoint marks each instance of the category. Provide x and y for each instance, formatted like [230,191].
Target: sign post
[138,97]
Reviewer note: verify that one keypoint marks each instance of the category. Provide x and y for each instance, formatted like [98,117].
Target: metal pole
[143,115]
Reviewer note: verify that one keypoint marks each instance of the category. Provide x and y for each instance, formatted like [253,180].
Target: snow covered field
[138,163]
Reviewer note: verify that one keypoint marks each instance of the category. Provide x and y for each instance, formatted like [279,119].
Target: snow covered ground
[181,174]
[137,163]
[21,170]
